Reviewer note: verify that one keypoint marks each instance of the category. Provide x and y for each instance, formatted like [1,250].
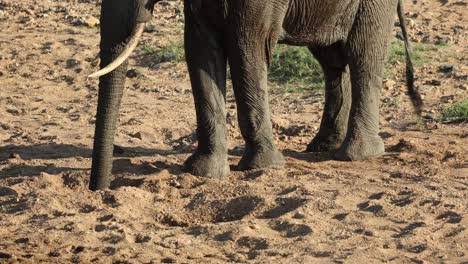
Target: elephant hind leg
[206,62]
[334,124]
[368,43]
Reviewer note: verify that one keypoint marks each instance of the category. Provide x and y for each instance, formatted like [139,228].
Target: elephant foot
[260,160]
[208,165]
[324,144]
[360,148]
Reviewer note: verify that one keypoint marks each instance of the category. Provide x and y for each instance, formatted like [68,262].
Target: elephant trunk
[118,21]
[111,88]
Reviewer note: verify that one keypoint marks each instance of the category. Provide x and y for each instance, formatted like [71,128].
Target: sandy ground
[409,206]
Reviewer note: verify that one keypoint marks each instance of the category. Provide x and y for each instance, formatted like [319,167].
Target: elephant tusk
[132,44]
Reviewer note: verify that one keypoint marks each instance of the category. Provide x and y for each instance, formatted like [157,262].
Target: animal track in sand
[6,191]
[290,230]
[450,217]
[376,209]
[405,198]
[430,202]
[201,210]
[14,205]
[376,196]
[408,230]
[253,243]
[113,239]
[238,208]
[105,218]
[87,208]
[340,217]
[283,206]
[110,199]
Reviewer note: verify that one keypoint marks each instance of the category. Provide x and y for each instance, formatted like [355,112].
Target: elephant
[349,38]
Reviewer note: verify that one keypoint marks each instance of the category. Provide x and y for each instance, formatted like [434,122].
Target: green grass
[418,52]
[173,52]
[456,110]
[295,69]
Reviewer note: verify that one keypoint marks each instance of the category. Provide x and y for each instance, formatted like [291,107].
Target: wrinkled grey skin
[348,37]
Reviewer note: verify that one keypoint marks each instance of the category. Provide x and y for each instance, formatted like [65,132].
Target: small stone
[144,136]
[72,63]
[26,19]
[280,123]
[150,28]
[254,227]
[464,87]
[30,12]
[14,155]
[434,82]
[133,73]
[389,84]
[180,243]
[3,15]
[109,250]
[447,68]
[299,215]
[410,22]
[237,150]
[429,116]
[91,22]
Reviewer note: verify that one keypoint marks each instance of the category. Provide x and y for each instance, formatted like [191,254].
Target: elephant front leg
[207,68]
[249,76]
[334,125]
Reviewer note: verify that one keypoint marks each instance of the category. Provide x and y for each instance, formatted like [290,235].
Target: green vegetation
[397,53]
[456,110]
[394,102]
[441,43]
[295,69]
[173,52]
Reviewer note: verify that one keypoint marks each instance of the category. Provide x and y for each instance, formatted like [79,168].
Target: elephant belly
[318,22]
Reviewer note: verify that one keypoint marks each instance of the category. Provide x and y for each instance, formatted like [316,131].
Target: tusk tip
[94,75]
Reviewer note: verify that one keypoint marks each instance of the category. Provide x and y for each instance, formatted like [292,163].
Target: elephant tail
[413,92]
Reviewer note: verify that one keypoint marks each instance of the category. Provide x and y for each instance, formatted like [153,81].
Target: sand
[408,206]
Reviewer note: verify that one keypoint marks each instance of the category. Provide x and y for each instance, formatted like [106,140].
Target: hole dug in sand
[202,210]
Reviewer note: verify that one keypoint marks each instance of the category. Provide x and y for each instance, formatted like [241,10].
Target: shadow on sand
[122,162]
